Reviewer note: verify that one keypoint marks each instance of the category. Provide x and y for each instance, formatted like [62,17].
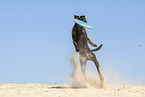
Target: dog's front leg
[89,41]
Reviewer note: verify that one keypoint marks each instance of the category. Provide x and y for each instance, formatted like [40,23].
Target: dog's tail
[98,48]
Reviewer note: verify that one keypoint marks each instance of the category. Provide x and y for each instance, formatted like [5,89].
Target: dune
[44,90]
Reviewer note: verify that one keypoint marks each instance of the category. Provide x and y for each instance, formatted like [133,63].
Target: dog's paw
[95,45]
[77,50]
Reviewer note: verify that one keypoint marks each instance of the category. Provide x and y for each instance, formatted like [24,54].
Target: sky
[36,39]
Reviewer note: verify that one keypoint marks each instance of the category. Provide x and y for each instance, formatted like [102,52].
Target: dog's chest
[83,35]
[83,39]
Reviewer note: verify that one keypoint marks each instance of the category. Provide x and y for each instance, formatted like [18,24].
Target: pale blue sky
[36,43]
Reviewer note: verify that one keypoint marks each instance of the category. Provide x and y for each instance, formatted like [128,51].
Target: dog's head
[82,18]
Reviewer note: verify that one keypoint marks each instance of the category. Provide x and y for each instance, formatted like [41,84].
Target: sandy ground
[43,90]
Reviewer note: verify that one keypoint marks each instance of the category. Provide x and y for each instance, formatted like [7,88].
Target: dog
[80,41]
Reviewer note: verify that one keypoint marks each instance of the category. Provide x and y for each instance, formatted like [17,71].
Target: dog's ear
[83,17]
[76,17]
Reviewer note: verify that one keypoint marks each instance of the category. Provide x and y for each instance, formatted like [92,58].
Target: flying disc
[84,24]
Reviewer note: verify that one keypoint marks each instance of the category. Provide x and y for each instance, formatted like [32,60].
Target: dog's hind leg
[91,56]
[83,61]
[100,75]
[97,66]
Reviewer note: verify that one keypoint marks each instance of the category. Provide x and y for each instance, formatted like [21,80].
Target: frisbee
[84,24]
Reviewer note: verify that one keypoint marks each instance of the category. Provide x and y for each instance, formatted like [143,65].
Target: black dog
[80,41]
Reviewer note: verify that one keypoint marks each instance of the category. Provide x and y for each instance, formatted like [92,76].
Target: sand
[44,90]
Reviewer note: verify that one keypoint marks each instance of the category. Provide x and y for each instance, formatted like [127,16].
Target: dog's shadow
[65,87]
